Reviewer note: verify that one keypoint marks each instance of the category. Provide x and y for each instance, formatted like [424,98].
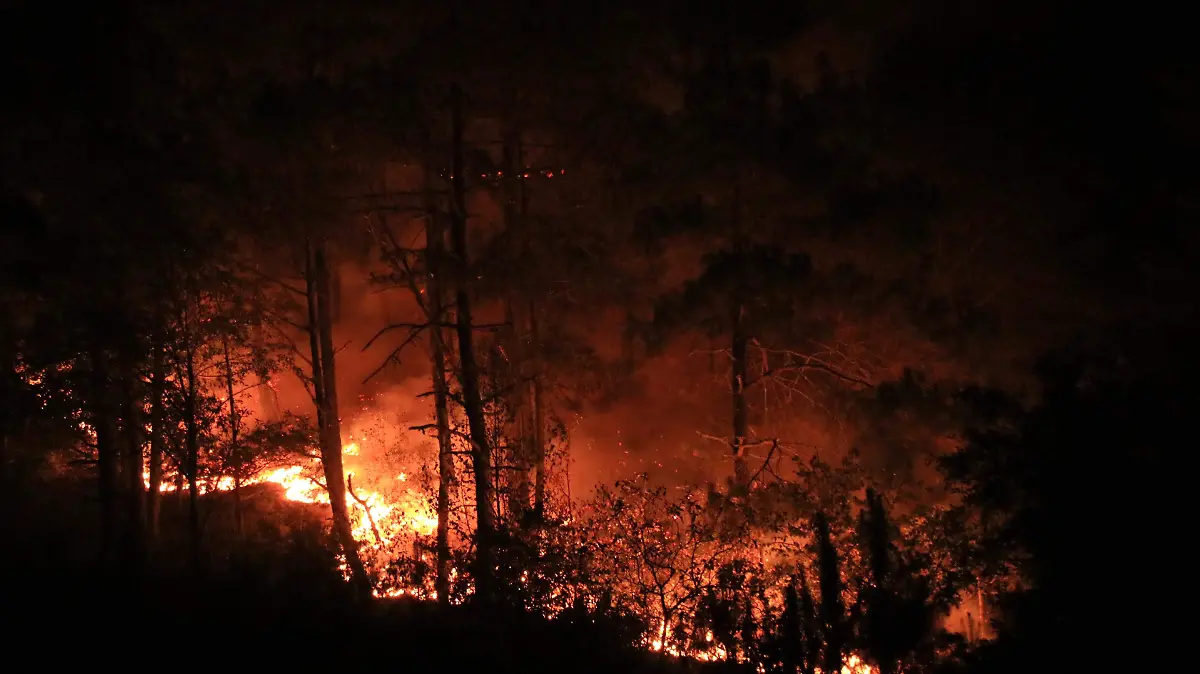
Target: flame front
[380,520]
[391,516]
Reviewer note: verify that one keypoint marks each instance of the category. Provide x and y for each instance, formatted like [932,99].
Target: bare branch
[270,279]
[822,367]
[417,327]
[766,461]
[394,355]
[745,444]
[397,257]
[365,507]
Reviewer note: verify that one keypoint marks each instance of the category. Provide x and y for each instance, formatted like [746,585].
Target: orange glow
[382,519]
[403,513]
[854,665]
[715,652]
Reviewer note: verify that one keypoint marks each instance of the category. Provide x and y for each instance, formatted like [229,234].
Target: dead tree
[435,252]
[481,455]
[324,378]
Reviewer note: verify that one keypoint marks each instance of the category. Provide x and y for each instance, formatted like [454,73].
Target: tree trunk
[521,458]
[9,384]
[538,403]
[435,244]
[321,337]
[133,460]
[235,458]
[810,628]
[239,528]
[4,473]
[737,385]
[738,339]
[104,425]
[832,611]
[481,455]
[157,440]
[192,457]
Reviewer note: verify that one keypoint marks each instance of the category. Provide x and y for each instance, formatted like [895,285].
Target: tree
[436,271]
[324,388]
[425,274]
[1108,414]
[780,316]
[481,457]
[893,612]
[831,608]
[745,295]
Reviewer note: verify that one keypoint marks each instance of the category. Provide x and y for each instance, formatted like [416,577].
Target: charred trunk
[192,456]
[133,460]
[481,455]
[104,425]
[435,243]
[832,611]
[235,454]
[738,344]
[737,385]
[321,336]
[521,454]
[809,627]
[538,405]
[9,385]
[157,441]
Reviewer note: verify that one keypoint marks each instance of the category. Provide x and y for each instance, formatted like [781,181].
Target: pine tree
[832,610]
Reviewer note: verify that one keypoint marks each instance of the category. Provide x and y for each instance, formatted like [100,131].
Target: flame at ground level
[715,652]
[378,521]
[372,513]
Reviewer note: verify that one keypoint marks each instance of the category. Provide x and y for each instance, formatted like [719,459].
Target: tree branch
[414,328]
[397,257]
[366,508]
[271,279]
[394,356]
[822,367]
[766,461]
[808,362]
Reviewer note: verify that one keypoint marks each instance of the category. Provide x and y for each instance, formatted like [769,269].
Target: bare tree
[324,380]
[481,455]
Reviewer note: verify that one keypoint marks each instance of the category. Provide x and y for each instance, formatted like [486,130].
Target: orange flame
[410,514]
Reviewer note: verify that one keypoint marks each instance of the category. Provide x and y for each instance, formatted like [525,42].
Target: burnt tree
[324,379]
[481,454]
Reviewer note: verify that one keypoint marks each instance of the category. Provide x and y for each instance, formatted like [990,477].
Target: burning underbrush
[810,575]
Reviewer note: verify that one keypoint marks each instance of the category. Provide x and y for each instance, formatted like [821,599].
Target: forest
[654,336]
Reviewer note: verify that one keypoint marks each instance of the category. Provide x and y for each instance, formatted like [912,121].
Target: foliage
[1026,479]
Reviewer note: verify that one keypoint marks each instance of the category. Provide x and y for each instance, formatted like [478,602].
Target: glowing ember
[715,652]
[854,665]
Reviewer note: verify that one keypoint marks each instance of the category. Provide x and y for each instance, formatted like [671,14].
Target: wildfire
[715,652]
[380,519]
[855,665]
[377,519]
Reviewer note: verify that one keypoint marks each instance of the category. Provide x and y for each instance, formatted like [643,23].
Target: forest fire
[377,518]
[384,521]
[769,339]
[375,514]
